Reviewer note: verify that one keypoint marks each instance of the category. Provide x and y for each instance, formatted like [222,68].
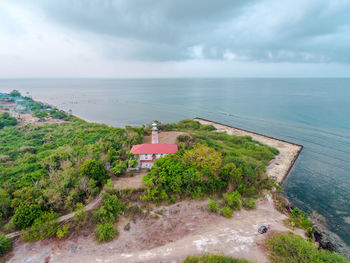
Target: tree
[15,93]
[94,170]
[25,215]
[202,157]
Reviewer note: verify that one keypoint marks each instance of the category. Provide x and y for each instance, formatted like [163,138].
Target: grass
[214,259]
[286,248]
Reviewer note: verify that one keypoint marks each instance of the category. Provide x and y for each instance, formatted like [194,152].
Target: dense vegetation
[7,120]
[49,169]
[285,248]
[214,259]
[208,163]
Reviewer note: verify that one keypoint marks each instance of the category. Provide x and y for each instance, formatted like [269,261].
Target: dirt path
[168,235]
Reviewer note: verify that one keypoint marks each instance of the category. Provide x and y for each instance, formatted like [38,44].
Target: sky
[174,38]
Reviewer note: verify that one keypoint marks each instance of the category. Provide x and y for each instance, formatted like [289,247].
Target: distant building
[147,153]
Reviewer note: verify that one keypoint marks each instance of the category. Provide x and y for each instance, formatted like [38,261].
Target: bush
[285,248]
[5,244]
[105,232]
[233,200]
[212,206]
[94,170]
[226,212]
[249,203]
[15,93]
[63,231]
[43,227]
[110,209]
[214,259]
[300,219]
[119,168]
[80,217]
[25,215]
[6,120]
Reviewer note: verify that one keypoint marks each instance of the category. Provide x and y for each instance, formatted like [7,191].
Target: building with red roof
[147,153]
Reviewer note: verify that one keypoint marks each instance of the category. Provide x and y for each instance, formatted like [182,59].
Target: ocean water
[311,112]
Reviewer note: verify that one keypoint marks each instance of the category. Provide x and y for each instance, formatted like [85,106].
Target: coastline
[279,167]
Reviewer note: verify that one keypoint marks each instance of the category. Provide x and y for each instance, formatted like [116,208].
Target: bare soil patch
[168,234]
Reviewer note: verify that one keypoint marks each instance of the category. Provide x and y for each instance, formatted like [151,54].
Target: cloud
[38,33]
[265,30]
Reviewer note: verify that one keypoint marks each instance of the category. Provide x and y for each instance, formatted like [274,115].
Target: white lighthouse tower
[154,133]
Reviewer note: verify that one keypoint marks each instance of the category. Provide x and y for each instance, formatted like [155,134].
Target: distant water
[311,112]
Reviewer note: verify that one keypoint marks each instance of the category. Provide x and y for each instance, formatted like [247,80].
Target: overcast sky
[174,38]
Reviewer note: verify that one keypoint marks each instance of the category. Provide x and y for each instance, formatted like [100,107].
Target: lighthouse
[148,152]
[154,133]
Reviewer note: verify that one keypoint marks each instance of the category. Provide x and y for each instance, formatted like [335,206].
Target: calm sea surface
[311,112]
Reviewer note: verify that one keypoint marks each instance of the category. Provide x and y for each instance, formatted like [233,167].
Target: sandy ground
[279,167]
[171,233]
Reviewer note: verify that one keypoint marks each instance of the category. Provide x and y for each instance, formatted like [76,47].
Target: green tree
[25,215]
[94,170]
[43,227]
[203,157]
[15,93]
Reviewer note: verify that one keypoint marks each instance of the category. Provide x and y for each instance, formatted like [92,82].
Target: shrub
[226,212]
[43,227]
[105,232]
[63,231]
[25,215]
[119,168]
[110,209]
[133,163]
[300,219]
[6,120]
[5,244]
[212,206]
[15,93]
[233,200]
[94,170]
[285,248]
[80,217]
[214,259]
[249,203]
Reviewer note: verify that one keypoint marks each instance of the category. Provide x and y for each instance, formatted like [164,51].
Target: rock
[127,227]
[285,202]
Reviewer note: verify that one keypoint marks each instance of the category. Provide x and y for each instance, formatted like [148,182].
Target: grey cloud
[315,31]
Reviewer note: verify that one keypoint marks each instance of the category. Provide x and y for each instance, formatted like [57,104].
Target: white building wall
[148,157]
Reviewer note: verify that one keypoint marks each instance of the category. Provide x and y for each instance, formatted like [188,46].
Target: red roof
[155,148]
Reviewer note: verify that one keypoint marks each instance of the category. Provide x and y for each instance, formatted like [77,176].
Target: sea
[312,112]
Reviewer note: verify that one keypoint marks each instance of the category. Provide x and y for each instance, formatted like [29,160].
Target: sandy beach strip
[278,167]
